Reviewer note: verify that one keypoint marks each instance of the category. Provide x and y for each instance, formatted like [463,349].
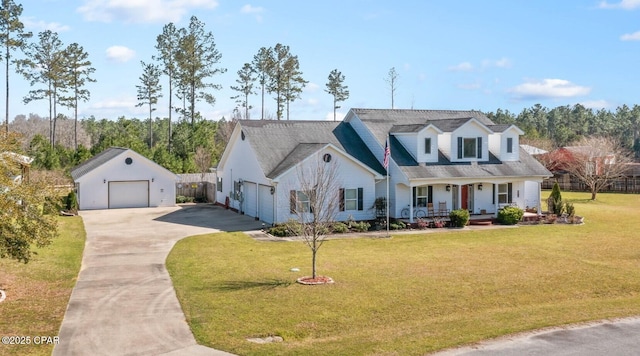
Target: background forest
[188,60]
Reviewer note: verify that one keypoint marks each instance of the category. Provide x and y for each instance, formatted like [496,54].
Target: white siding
[422,135]
[240,163]
[470,130]
[350,176]
[94,186]
[444,144]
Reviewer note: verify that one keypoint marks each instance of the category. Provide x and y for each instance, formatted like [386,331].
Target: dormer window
[469,147]
[427,145]
[509,145]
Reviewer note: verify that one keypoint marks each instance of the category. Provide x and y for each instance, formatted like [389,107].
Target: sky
[449,54]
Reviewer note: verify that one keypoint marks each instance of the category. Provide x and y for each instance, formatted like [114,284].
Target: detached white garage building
[122,178]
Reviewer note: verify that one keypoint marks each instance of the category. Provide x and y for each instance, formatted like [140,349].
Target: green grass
[414,293]
[38,292]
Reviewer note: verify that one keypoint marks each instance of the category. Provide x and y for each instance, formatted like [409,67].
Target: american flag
[387,153]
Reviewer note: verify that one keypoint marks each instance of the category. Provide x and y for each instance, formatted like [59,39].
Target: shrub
[397,225]
[72,201]
[459,218]
[294,227]
[180,199]
[360,226]
[555,203]
[339,227]
[570,209]
[510,215]
[421,224]
[279,230]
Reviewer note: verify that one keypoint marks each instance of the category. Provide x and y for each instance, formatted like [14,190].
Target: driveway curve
[124,302]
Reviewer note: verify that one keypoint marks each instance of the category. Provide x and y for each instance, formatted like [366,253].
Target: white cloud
[631,36]
[597,104]
[141,11]
[313,101]
[257,11]
[249,9]
[462,67]
[548,88]
[312,88]
[120,54]
[624,4]
[339,116]
[39,26]
[499,63]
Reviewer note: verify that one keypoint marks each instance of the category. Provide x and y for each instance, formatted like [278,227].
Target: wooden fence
[569,183]
[197,186]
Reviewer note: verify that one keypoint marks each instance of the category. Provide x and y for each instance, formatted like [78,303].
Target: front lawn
[38,292]
[411,294]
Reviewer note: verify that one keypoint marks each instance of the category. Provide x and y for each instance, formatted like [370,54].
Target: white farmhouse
[452,159]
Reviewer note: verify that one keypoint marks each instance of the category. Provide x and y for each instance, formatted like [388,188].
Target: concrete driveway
[124,302]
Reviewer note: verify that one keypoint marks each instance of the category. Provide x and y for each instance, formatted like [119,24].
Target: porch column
[539,198]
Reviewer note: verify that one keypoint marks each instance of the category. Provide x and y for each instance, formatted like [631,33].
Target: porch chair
[442,209]
[431,212]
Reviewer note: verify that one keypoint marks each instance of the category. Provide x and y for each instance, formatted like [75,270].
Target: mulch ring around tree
[309,280]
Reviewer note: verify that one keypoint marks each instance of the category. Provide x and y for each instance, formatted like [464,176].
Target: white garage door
[129,194]
[250,196]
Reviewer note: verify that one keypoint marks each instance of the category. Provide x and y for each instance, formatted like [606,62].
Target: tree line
[564,125]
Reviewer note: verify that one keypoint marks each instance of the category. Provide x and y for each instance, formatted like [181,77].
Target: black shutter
[292,201]
[429,194]
[415,200]
[459,147]
[360,201]
[510,193]
[341,197]
[479,147]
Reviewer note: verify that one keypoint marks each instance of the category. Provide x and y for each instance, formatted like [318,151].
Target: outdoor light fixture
[448,188]
[152,179]
[272,190]
[480,186]
[104,181]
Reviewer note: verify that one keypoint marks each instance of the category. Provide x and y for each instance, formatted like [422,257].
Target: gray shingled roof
[382,121]
[96,161]
[280,145]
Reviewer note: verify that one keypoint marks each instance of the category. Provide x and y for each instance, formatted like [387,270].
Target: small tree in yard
[315,204]
[596,161]
[24,221]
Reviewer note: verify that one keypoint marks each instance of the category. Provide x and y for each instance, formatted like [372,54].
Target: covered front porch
[482,198]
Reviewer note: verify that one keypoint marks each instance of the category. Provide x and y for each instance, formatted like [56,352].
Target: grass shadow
[231,286]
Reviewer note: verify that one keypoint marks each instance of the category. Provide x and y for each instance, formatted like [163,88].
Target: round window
[326,157]
[128,160]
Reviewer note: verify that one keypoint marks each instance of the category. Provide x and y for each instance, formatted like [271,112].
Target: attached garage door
[129,194]
[266,204]
[250,199]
